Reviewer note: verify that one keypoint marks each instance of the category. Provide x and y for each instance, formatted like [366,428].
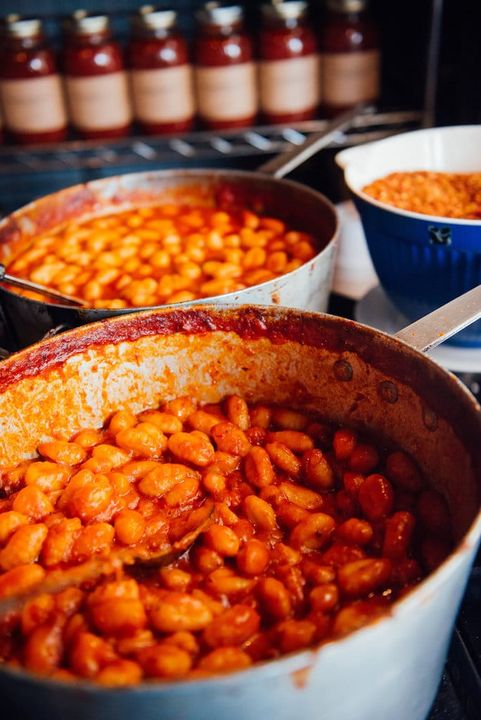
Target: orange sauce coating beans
[455,195]
[158,255]
[315,533]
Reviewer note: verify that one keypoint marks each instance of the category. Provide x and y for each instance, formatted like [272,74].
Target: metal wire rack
[195,146]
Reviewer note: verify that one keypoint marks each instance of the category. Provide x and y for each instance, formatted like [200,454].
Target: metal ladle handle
[34,287]
[433,329]
[282,164]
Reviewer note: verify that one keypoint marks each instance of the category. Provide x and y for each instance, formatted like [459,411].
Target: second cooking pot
[298,205]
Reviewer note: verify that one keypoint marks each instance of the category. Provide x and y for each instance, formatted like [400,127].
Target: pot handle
[282,164]
[443,323]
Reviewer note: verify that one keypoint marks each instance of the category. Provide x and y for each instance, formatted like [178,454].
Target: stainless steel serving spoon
[41,289]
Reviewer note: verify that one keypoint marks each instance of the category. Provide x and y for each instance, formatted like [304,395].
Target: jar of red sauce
[289,64]
[160,72]
[350,56]
[225,72]
[30,87]
[95,78]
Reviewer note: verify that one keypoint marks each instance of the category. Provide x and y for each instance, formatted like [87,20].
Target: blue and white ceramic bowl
[422,261]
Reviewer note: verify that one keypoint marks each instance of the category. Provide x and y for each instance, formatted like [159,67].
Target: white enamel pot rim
[300,660]
[453,149]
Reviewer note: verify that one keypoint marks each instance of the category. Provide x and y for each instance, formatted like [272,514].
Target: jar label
[291,85]
[226,93]
[163,95]
[33,105]
[99,102]
[351,77]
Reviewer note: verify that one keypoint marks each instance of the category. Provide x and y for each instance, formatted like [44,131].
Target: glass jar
[289,67]
[30,87]
[160,72]
[225,73]
[350,56]
[95,79]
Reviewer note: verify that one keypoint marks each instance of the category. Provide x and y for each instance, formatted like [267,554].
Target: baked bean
[397,535]
[358,532]
[207,560]
[223,540]
[317,469]
[238,412]
[180,611]
[295,634]
[175,579]
[20,579]
[253,558]
[355,616]
[259,513]
[37,611]
[60,451]
[183,640]
[230,439]
[145,439]
[166,422]
[191,448]
[313,532]
[290,514]
[283,554]
[118,616]
[324,597]
[258,467]
[24,546]
[302,496]
[234,627]
[376,497]
[288,419]
[214,482]
[93,539]
[165,661]
[44,648]
[274,598]
[89,654]
[120,673]
[364,458]
[122,420]
[284,458]
[361,577]
[9,522]
[60,540]
[182,492]
[33,502]
[223,581]
[225,659]
[403,472]
[202,421]
[163,478]
[47,476]
[343,444]
[129,526]
[90,500]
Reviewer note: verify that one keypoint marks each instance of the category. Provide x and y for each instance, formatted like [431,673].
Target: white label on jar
[291,85]
[33,105]
[99,102]
[163,95]
[226,93]
[350,77]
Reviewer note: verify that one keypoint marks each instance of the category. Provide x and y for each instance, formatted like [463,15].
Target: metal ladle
[41,289]
[57,580]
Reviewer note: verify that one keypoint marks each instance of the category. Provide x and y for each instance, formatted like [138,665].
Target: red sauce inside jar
[161,74]
[96,82]
[225,74]
[289,68]
[30,88]
[350,56]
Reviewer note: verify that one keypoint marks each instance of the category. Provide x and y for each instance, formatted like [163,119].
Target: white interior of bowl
[445,149]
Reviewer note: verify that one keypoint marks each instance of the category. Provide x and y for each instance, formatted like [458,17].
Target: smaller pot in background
[422,261]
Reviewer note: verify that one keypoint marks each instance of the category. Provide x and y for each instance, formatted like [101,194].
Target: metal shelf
[197,146]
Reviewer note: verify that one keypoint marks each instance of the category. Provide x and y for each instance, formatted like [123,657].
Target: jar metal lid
[288,10]
[151,18]
[17,26]
[85,23]
[214,13]
[347,6]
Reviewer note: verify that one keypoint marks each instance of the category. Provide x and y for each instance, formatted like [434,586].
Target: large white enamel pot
[355,376]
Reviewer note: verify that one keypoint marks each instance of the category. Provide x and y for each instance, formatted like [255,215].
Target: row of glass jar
[227,86]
